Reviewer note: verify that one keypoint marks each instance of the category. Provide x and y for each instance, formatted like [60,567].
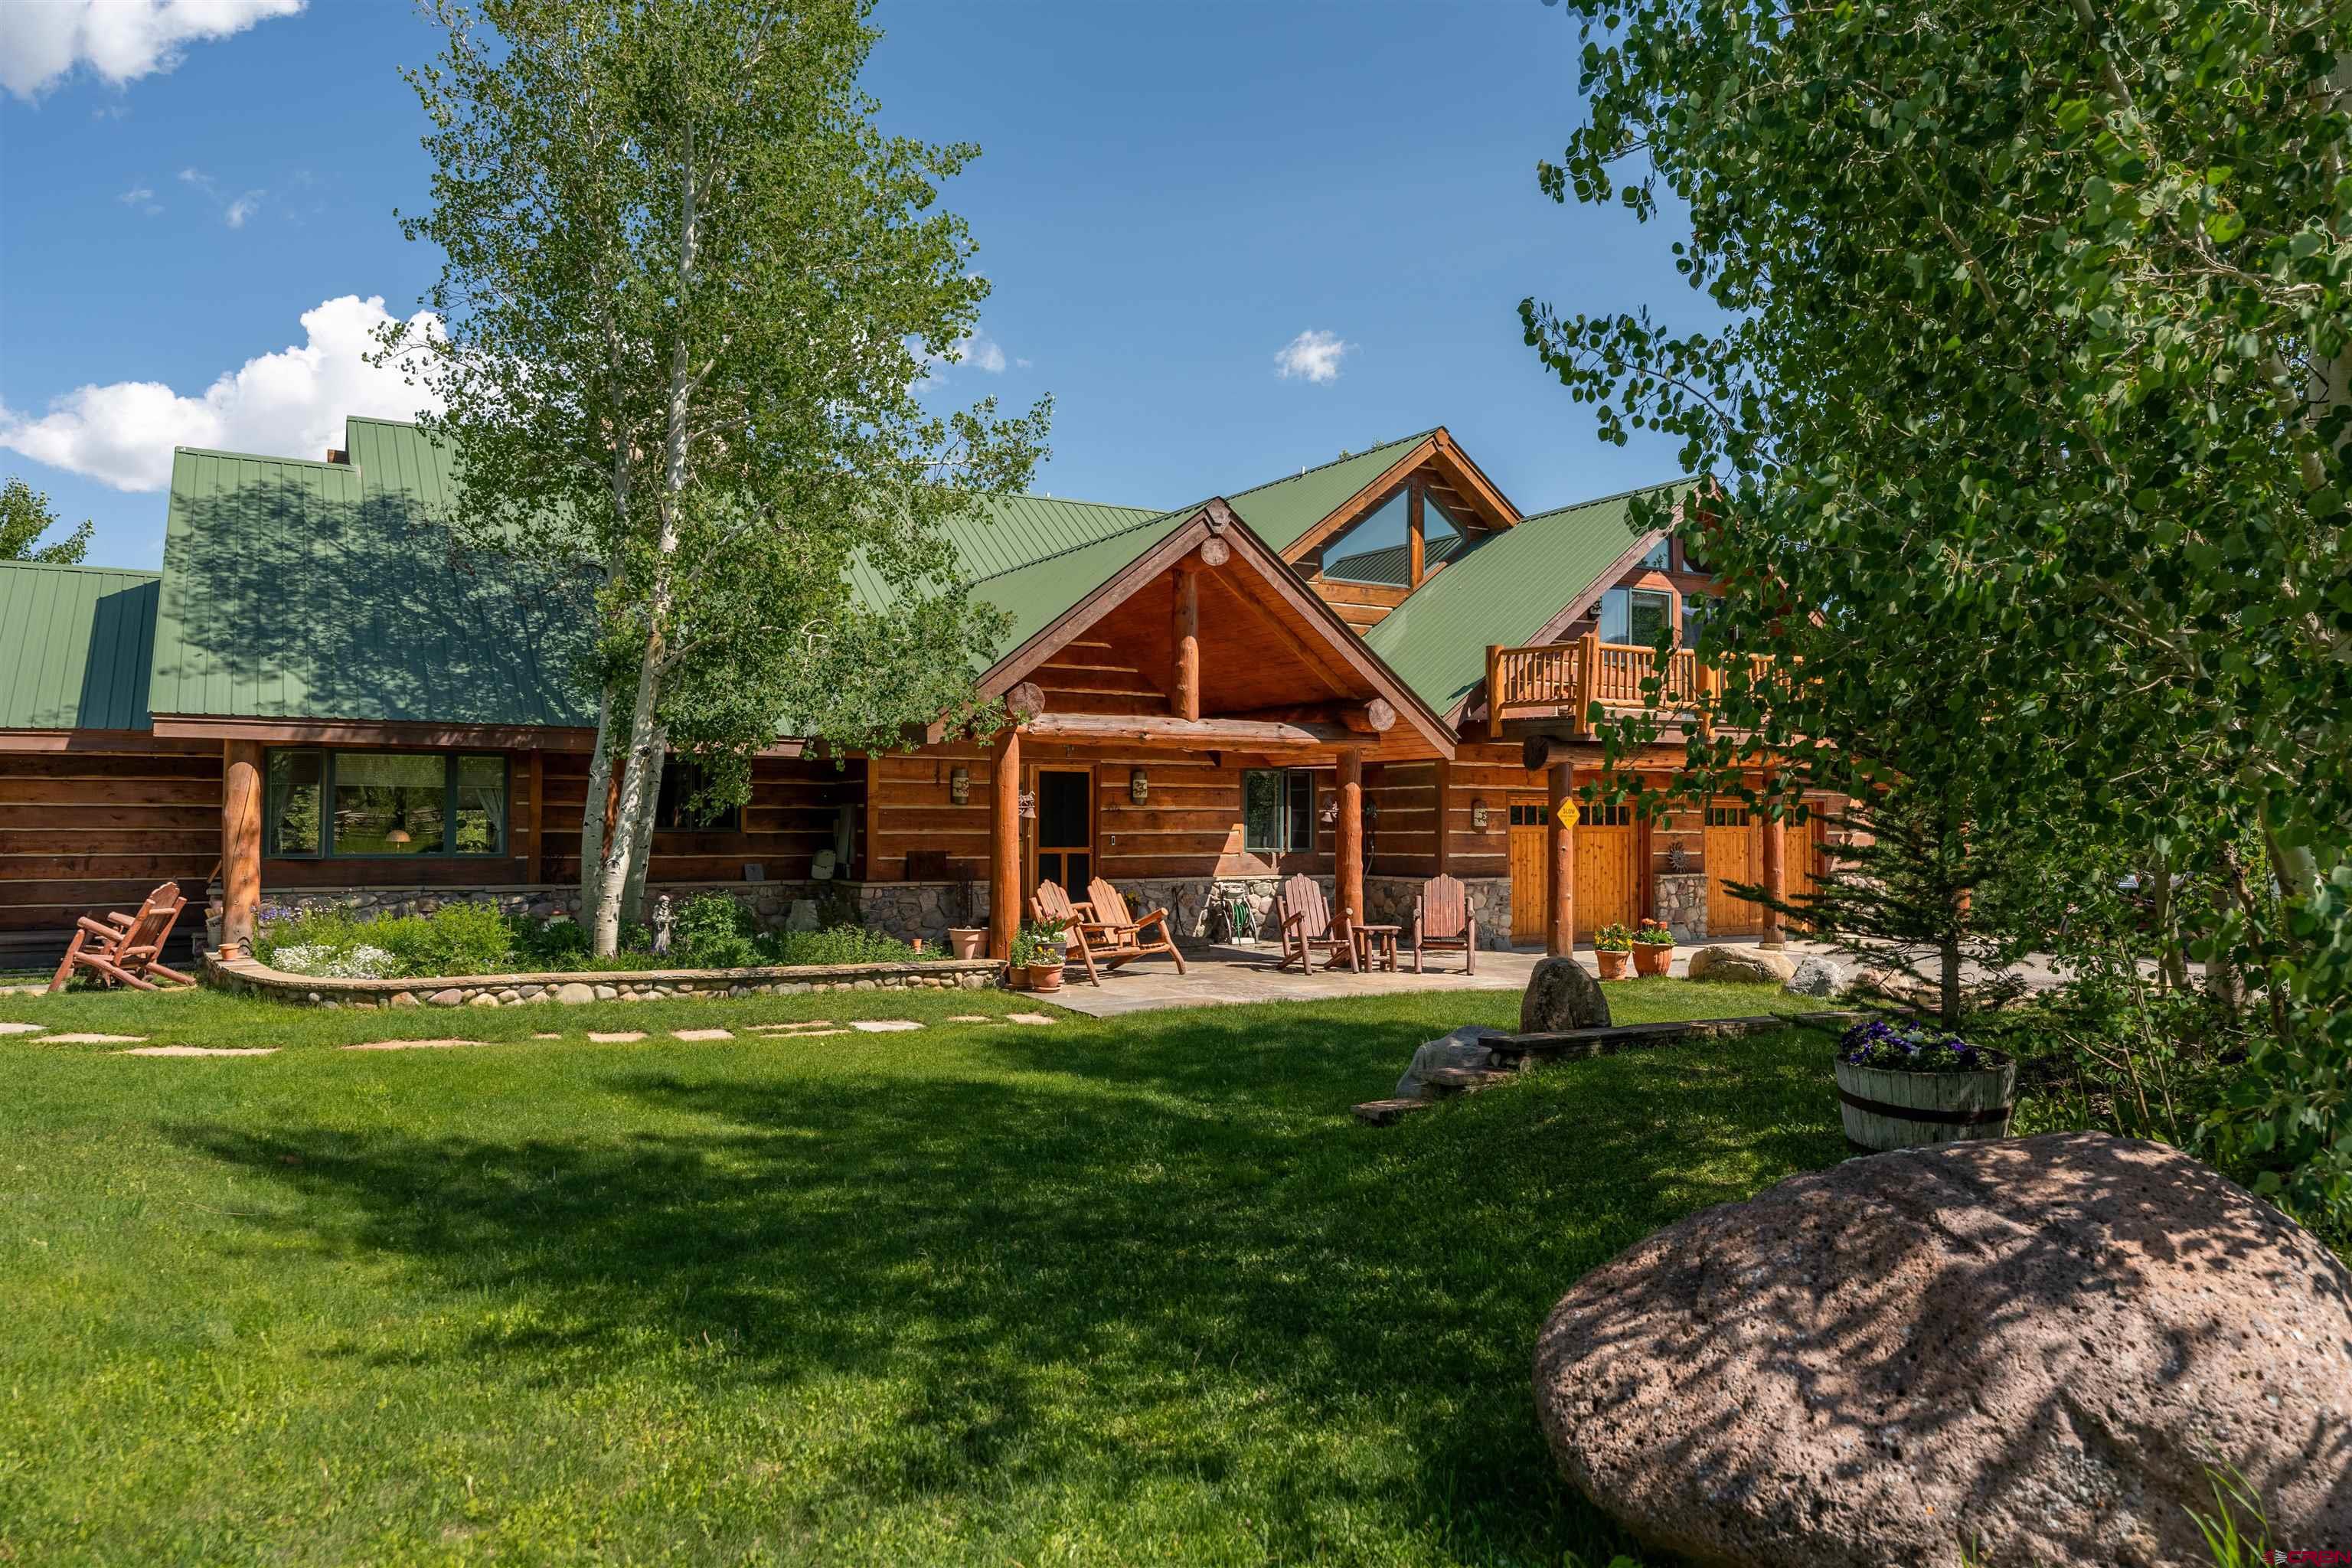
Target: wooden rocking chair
[1442,922]
[1128,930]
[1087,936]
[127,948]
[1307,924]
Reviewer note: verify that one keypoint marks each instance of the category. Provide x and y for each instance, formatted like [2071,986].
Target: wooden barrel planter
[1888,1108]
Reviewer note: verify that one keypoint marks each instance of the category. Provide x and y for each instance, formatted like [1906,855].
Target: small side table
[1378,946]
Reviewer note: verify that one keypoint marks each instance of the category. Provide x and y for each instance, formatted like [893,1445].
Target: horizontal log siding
[97,827]
[788,821]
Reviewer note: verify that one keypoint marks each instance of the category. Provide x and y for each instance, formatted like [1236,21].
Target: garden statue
[665,922]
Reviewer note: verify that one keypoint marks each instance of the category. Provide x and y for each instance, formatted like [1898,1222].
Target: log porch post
[1186,637]
[1776,872]
[240,845]
[1004,843]
[1559,920]
[1349,871]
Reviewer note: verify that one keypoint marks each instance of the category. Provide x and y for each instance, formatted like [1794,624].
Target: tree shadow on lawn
[1128,1274]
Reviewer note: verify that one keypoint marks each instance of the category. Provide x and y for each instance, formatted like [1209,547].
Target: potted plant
[1902,1084]
[967,942]
[1654,947]
[1612,944]
[1041,965]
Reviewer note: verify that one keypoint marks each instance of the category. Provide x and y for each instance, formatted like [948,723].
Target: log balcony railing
[1563,680]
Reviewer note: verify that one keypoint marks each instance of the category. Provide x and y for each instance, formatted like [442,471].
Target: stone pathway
[703,1034]
[21,1028]
[882,1026]
[1028,1019]
[970,1018]
[92,1039]
[413,1045]
[615,1037]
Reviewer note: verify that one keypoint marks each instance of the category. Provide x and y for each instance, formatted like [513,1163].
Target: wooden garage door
[1608,869]
[1530,869]
[1807,858]
[1734,853]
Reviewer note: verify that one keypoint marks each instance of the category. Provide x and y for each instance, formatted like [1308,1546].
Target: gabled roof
[74,641]
[1281,511]
[1508,588]
[303,590]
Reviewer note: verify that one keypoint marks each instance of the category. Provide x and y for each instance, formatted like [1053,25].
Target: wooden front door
[1807,858]
[1066,830]
[1608,869]
[1734,853]
[1530,868]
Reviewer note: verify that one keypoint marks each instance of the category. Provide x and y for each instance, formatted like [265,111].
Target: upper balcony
[1555,680]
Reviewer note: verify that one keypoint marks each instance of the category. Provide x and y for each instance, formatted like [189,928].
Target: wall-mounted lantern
[1138,785]
[1478,816]
[959,785]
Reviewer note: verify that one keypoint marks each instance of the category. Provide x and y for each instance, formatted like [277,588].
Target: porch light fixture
[1138,785]
[959,785]
[1478,816]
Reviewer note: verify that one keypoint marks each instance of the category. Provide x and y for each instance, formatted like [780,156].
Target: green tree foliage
[690,296]
[2031,411]
[24,515]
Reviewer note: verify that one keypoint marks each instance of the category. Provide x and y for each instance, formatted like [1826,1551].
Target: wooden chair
[1442,922]
[1128,930]
[1049,905]
[1307,924]
[127,948]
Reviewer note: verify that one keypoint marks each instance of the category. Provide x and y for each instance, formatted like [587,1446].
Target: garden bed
[576,986]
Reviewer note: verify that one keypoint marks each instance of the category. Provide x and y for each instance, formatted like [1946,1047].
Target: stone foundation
[250,975]
[1680,900]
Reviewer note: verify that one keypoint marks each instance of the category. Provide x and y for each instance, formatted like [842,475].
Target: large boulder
[2041,1349]
[1741,967]
[1464,1047]
[1817,977]
[1561,995]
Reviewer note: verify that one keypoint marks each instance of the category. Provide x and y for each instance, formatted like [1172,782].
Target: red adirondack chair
[127,949]
[1307,924]
[1442,922]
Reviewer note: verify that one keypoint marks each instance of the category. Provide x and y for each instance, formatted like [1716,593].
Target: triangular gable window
[1379,549]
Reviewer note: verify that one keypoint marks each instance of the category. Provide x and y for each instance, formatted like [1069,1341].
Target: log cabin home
[1372,671]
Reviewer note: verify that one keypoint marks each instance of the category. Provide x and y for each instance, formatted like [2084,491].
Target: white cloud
[142,198]
[290,404]
[43,41]
[1312,355]
[244,207]
[976,351]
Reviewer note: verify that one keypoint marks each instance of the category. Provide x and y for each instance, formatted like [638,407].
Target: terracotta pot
[966,941]
[1652,957]
[1044,977]
[1612,963]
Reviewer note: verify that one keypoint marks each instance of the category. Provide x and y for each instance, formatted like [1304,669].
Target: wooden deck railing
[1564,678]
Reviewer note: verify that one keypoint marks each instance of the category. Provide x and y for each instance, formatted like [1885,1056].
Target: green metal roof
[1280,511]
[1035,593]
[1505,589]
[74,641]
[303,590]
[1012,532]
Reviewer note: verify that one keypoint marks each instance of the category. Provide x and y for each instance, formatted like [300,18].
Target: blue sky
[1168,196]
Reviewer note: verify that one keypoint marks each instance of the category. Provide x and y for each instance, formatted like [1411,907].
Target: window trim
[449,761]
[1288,821]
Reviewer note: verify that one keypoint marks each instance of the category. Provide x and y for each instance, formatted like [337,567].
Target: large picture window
[1379,549]
[384,805]
[1635,616]
[682,781]
[1278,810]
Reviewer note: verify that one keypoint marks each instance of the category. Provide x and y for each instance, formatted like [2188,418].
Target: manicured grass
[1133,1290]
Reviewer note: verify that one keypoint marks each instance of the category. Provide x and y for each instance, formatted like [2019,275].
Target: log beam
[1560,839]
[1025,700]
[1376,717]
[1537,753]
[240,845]
[1200,734]
[1348,848]
[1004,843]
[1184,634]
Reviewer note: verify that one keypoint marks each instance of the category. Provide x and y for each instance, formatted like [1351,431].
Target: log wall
[98,826]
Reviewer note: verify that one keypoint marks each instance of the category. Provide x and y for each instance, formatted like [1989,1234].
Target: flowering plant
[1612,938]
[1655,933]
[1905,1046]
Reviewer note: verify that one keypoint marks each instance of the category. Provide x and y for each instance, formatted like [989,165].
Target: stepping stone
[413,1045]
[884,1026]
[1388,1112]
[1027,1018]
[92,1039]
[802,1034]
[825,1024]
[970,1018]
[701,1034]
[21,1028]
[198,1051]
[619,1036]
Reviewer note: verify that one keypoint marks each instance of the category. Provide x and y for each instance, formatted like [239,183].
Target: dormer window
[1379,549]
[1660,557]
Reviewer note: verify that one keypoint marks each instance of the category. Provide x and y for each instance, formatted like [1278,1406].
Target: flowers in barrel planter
[1903,1044]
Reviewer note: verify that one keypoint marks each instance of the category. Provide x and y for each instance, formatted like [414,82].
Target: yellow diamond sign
[1567,813]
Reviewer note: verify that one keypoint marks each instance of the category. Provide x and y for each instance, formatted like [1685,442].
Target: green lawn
[1123,1291]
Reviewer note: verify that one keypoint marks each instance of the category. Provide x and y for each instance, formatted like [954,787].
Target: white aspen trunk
[641,847]
[642,762]
[592,812]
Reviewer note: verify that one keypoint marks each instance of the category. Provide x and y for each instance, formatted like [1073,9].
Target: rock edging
[252,976]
